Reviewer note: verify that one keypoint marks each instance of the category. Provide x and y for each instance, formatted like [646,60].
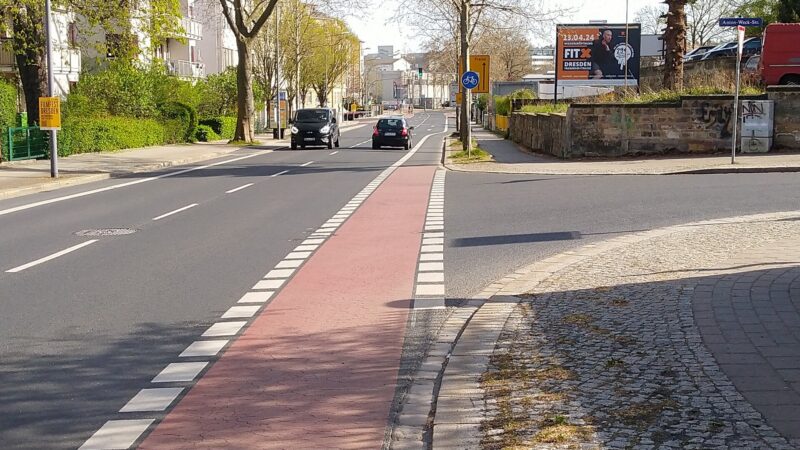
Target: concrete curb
[458,406]
[720,170]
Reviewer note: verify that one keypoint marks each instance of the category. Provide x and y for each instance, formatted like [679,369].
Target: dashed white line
[51,257]
[307,164]
[239,188]
[256,297]
[175,212]
[279,174]
[180,372]
[222,329]
[240,312]
[155,399]
[279,273]
[268,284]
[117,434]
[203,348]
[333,153]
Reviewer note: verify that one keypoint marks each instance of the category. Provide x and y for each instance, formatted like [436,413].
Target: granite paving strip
[604,348]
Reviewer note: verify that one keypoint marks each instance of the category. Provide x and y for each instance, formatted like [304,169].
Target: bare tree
[651,18]
[702,21]
[512,52]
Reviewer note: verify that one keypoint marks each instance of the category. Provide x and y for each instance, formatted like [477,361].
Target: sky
[378,27]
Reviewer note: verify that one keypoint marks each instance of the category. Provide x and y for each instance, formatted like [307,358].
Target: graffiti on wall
[752,111]
[715,118]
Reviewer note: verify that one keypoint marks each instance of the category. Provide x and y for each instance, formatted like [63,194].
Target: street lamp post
[51,87]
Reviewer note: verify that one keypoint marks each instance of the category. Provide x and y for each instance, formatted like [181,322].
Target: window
[72,35]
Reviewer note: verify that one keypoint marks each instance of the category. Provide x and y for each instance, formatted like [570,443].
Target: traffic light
[419,72]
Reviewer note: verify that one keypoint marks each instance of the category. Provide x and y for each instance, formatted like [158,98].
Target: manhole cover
[106,232]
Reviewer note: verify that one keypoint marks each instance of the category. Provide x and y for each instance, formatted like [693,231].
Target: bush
[8,105]
[205,133]
[85,135]
[526,94]
[181,122]
[120,90]
[544,108]
[224,126]
[502,105]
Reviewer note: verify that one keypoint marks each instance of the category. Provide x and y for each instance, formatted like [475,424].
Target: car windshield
[385,124]
[312,115]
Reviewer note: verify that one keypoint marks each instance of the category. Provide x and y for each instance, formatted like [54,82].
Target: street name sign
[741,22]
[49,113]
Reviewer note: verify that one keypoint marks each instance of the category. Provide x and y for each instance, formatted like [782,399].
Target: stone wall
[787,116]
[544,133]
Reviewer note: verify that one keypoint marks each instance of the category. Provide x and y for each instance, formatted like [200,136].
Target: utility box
[757,125]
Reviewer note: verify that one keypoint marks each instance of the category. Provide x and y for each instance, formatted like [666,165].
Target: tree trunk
[675,37]
[245,105]
[28,46]
[466,97]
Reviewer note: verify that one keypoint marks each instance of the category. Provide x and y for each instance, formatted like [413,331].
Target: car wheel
[375,146]
[302,146]
[330,143]
[337,141]
[294,145]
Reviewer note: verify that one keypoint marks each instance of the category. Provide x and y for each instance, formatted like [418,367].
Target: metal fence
[24,143]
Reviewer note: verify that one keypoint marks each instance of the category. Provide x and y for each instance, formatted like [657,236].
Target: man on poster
[604,64]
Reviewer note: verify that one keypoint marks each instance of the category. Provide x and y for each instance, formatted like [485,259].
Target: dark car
[749,48]
[392,132]
[697,53]
[314,126]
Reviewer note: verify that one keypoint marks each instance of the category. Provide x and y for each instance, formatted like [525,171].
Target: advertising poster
[597,54]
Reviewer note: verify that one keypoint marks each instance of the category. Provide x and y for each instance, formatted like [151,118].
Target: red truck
[780,54]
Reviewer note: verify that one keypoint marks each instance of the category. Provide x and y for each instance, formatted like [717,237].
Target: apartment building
[392,78]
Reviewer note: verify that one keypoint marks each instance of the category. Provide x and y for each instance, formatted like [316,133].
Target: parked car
[751,71]
[780,58]
[697,53]
[314,126]
[392,132]
[750,47]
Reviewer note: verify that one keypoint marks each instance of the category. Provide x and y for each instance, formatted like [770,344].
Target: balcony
[65,61]
[191,29]
[186,69]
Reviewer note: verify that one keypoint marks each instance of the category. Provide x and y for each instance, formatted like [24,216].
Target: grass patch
[476,155]
[545,108]
[561,433]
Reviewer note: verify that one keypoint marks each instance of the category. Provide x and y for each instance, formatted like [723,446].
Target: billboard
[597,54]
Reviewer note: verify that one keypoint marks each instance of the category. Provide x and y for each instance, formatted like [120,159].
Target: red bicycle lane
[318,367]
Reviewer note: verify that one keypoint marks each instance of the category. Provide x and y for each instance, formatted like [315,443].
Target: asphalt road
[83,332]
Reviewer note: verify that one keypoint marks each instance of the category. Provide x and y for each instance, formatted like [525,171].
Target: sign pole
[740,32]
[555,79]
[51,88]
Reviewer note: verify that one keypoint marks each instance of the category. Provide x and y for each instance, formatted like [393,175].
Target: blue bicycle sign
[470,80]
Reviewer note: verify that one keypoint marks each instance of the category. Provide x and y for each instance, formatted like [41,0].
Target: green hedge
[502,105]
[205,133]
[86,135]
[180,122]
[224,126]
[8,113]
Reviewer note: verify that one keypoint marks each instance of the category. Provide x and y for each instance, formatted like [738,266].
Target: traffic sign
[480,64]
[741,22]
[49,113]
[470,80]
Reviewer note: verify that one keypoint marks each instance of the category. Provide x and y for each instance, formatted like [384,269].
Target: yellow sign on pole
[49,113]
[480,64]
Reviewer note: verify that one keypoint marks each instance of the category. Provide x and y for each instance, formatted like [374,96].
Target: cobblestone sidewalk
[685,339]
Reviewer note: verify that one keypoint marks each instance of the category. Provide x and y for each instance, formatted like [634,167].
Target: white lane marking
[268,284]
[256,297]
[307,164]
[130,183]
[154,399]
[290,264]
[437,234]
[279,273]
[203,348]
[179,372]
[240,312]
[222,329]
[432,241]
[429,303]
[239,188]
[305,248]
[279,174]
[51,257]
[438,248]
[433,227]
[117,434]
[431,266]
[333,153]
[429,289]
[175,212]
[312,241]
[430,277]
